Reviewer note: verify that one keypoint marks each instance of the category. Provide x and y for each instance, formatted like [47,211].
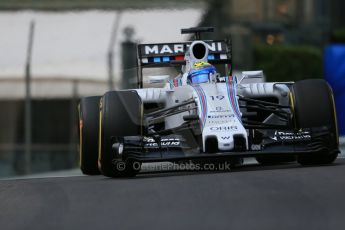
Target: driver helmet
[200,73]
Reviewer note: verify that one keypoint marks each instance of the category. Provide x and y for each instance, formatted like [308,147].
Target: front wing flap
[175,148]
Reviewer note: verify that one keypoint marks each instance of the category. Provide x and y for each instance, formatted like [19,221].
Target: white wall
[74,44]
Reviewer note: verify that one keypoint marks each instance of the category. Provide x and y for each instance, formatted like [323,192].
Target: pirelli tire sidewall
[120,115]
[88,135]
[313,106]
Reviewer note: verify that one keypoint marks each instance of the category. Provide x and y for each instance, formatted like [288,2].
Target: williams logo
[165,142]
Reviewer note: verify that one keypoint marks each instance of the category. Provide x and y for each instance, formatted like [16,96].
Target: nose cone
[225,142]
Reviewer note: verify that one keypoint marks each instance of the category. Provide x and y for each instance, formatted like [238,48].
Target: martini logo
[166,49]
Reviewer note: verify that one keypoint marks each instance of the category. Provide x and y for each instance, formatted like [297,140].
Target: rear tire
[88,135]
[121,115]
[313,105]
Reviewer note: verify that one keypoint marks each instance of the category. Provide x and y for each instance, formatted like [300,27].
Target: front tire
[313,106]
[120,115]
[88,135]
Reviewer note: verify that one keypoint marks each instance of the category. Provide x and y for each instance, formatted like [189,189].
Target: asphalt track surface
[251,197]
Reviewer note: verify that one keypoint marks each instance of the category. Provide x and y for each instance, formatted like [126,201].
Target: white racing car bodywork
[217,102]
[218,112]
[206,113]
[218,106]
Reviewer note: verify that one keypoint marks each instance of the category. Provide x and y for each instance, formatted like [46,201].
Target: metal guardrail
[12,88]
[44,158]
[38,147]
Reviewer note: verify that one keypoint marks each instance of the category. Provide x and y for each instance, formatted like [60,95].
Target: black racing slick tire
[88,135]
[313,106]
[121,114]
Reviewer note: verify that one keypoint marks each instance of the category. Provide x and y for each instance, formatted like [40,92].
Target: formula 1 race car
[205,113]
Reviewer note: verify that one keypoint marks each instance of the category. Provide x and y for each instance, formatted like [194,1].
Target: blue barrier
[334,67]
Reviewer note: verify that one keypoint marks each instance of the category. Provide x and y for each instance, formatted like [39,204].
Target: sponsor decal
[224,128]
[164,49]
[217,122]
[150,139]
[255,147]
[221,116]
[218,97]
[178,48]
[220,109]
[165,142]
[288,136]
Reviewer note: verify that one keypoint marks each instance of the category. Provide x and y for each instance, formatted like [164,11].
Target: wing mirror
[252,75]
[158,79]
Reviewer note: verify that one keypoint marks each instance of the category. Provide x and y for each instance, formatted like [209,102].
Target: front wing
[175,148]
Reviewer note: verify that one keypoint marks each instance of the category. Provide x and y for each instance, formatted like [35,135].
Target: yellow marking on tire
[80,137]
[100,134]
[292,103]
[335,119]
[141,118]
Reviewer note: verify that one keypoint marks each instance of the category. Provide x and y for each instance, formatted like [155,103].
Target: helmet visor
[200,78]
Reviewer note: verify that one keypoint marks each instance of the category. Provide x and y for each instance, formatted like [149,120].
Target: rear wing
[172,54]
[166,54]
